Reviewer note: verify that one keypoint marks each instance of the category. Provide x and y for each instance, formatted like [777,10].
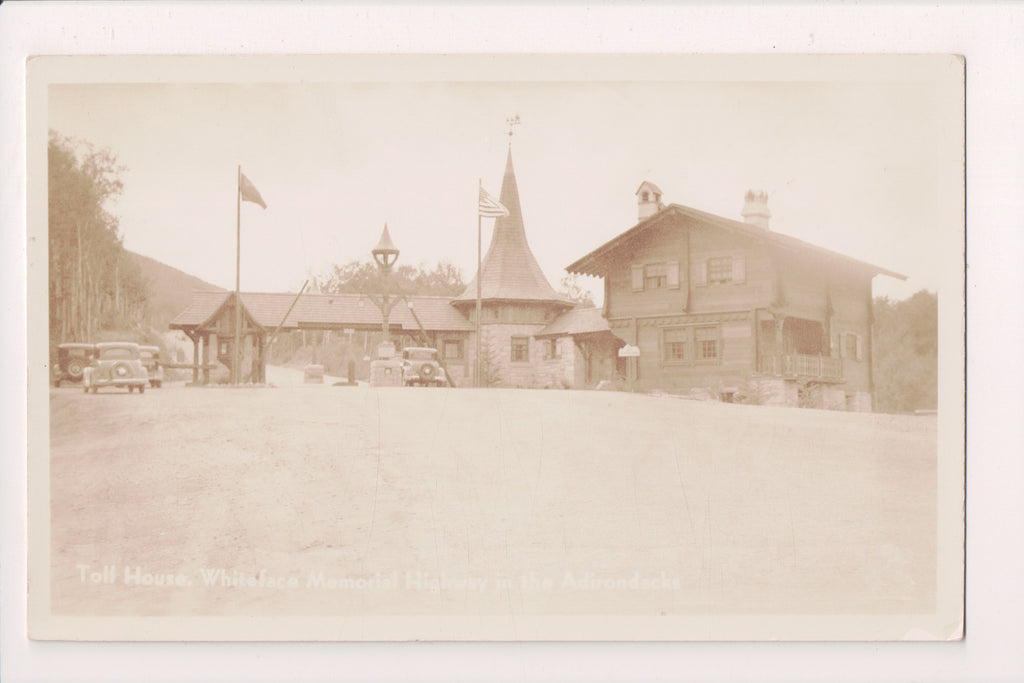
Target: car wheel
[56,383]
[142,388]
[85,390]
[75,368]
[94,389]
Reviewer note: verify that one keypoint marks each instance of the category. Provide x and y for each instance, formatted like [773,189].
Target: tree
[906,353]
[571,286]
[444,279]
[93,286]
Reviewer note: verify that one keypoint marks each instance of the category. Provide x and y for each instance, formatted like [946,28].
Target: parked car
[420,367]
[72,360]
[116,364]
[151,361]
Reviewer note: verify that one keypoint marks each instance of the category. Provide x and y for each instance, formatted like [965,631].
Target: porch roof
[576,321]
[326,311]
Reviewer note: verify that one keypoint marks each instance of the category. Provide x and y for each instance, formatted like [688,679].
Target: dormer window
[645,196]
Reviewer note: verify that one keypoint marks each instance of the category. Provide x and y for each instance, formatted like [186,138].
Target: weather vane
[511,121]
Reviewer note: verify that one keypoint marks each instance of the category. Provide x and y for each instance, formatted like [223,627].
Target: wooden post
[477,365]
[195,360]
[236,347]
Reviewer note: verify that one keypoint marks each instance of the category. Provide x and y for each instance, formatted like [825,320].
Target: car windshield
[117,353]
[420,354]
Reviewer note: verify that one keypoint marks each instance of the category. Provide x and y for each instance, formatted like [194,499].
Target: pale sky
[860,167]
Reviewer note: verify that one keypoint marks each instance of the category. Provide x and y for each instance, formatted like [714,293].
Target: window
[691,344]
[452,349]
[706,342]
[117,353]
[852,347]
[675,343]
[550,349]
[520,349]
[655,276]
[719,270]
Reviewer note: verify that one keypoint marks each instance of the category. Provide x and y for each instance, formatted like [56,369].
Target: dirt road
[321,500]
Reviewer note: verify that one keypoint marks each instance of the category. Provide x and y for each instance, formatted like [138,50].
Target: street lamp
[385,369]
[384,255]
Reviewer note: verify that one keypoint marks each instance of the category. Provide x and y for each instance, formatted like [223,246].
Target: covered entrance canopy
[595,340]
[209,323]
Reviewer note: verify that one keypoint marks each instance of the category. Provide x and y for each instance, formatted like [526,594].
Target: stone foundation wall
[558,373]
[497,346]
[859,402]
[772,391]
[833,398]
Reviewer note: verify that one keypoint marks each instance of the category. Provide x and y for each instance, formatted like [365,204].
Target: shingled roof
[325,311]
[509,271]
[577,321]
[595,263]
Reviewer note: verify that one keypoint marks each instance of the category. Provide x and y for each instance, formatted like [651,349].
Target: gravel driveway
[323,500]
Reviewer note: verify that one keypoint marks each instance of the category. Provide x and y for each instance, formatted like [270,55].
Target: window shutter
[860,349]
[739,269]
[638,278]
[672,274]
[700,275]
[837,345]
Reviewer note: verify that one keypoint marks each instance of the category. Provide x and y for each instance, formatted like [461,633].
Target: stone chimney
[648,198]
[755,208]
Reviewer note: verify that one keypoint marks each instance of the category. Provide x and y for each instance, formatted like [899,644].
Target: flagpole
[479,363]
[235,374]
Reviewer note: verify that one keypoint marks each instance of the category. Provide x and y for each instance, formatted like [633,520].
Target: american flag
[491,207]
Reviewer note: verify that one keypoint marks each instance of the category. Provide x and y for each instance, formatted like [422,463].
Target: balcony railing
[801,365]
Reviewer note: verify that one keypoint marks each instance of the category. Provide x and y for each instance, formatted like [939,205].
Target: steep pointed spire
[509,270]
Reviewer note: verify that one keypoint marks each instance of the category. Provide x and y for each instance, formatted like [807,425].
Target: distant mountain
[170,290]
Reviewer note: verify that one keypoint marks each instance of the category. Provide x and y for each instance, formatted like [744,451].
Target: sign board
[629,351]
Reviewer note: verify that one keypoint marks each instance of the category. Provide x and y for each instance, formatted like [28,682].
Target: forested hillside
[905,353]
[169,290]
[98,290]
[93,284]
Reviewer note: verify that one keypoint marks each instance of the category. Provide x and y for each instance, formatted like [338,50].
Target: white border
[987,36]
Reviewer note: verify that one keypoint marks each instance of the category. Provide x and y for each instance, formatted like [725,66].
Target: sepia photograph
[496,347]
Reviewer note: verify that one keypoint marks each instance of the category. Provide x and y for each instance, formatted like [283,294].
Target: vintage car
[72,360]
[116,364]
[420,367]
[151,361]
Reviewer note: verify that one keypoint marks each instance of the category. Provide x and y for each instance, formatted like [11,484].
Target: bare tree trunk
[117,286]
[78,287]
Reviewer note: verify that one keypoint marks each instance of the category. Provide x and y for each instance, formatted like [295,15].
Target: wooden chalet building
[735,309]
